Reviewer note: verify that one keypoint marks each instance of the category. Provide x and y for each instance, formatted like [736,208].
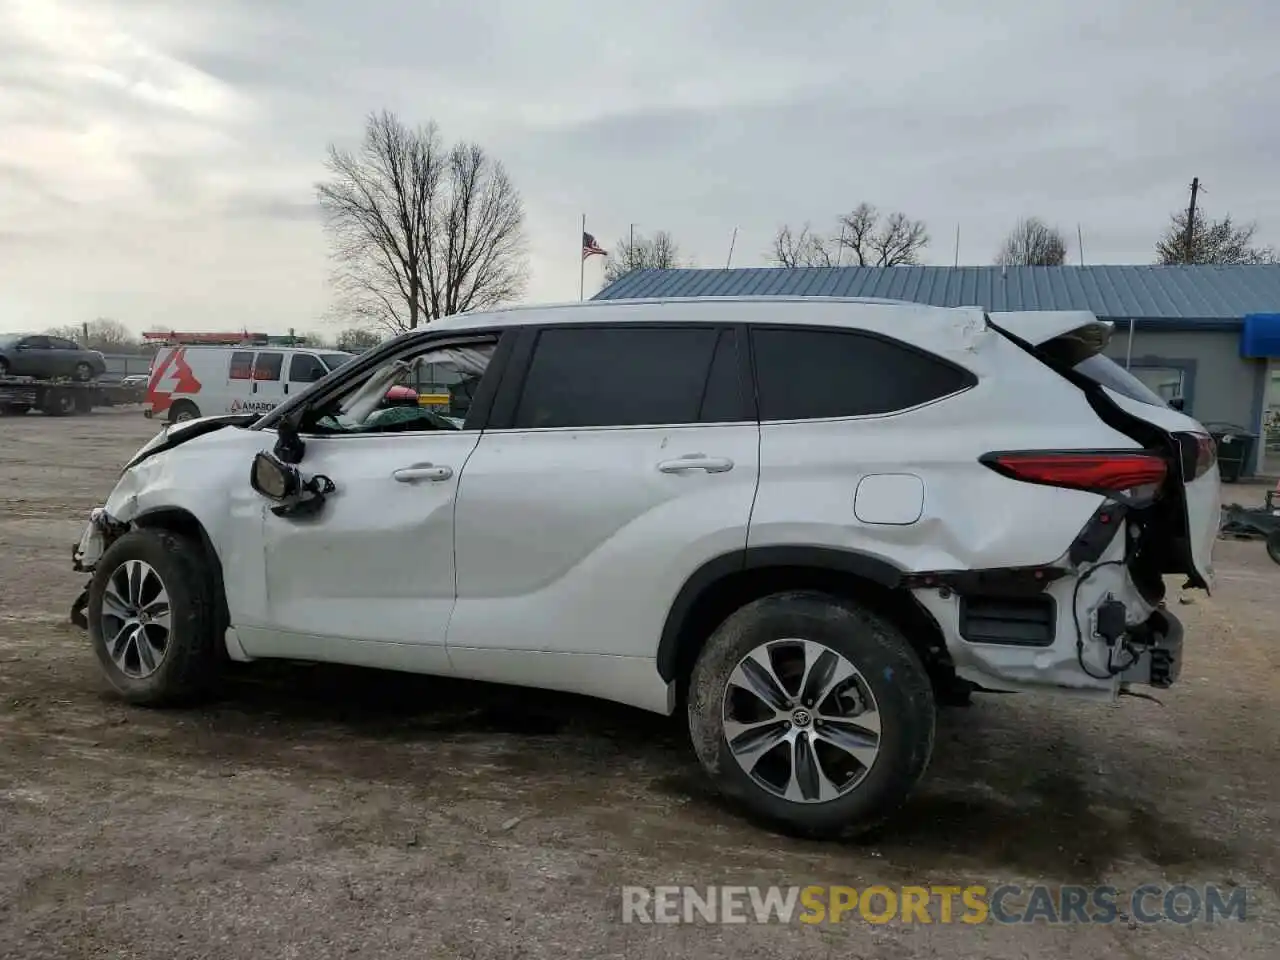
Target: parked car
[191,381]
[802,522]
[44,357]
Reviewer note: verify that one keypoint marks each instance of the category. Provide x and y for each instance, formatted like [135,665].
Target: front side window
[629,376]
[806,374]
[304,368]
[388,399]
[36,343]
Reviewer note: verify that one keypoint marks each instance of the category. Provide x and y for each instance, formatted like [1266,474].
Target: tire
[84,401]
[15,409]
[889,678]
[58,403]
[1273,546]
[83,372]
[185,666]
[182,411]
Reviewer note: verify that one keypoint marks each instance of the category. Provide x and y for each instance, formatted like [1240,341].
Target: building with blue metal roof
[1207,333]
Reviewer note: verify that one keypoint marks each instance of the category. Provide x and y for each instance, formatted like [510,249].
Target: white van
[190,380]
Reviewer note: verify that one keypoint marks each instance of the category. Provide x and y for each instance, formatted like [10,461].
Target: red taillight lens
[1082,470]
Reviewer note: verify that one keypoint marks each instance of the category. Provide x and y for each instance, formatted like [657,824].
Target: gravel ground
[321,812]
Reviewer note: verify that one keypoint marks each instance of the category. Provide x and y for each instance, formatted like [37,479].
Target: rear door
[1072,343]
[33,357]
[267,388]
[619,459]
[238,392]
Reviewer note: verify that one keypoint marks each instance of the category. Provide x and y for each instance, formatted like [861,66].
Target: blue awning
[1261,335]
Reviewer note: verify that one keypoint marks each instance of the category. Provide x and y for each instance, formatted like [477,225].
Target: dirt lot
[319,813]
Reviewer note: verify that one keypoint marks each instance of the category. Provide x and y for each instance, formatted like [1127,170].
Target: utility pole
[1191,221]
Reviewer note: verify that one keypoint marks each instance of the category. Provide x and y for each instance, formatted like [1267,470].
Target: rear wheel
[1273,546]
[152,618]
[812,712]
[83,371]
[182,411]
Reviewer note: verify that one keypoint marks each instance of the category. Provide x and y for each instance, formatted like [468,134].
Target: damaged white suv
[803,521]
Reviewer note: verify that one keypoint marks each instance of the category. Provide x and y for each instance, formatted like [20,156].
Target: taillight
[1199,454]
[1098,471]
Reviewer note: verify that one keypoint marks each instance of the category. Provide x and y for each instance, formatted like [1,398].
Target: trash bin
[1235,447]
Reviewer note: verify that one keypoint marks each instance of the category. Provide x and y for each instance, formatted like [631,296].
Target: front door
[369,580]
[629,459]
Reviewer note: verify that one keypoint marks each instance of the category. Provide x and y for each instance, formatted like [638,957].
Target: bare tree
[420,230]
[1212,241]
[1033,243]
[103,334]
[354,340]
[642,253]
[872,241]
[803,248]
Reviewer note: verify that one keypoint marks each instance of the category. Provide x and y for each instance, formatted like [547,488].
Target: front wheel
[812,712]
[151,616]
[1273,546]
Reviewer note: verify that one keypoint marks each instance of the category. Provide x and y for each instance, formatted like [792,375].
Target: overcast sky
[158,157]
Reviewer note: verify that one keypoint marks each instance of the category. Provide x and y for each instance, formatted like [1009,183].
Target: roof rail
[200,338]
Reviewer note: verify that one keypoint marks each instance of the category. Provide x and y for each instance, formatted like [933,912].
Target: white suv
[803,521]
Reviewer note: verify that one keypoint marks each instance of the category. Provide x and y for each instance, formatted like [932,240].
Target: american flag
[590,248]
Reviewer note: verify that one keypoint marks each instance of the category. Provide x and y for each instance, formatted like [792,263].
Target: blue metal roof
[1216,296]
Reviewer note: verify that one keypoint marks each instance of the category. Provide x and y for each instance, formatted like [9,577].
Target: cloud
[170,151]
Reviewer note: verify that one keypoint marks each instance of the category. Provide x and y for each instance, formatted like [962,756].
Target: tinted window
[722,396]
[268,366]
[57,343]
[36,343]
[334,360]
[616,376]
[1108,373]
[304,368]
[241,365]
[807,374]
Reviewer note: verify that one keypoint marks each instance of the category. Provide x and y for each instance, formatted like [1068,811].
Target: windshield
[334,360]
[1105,371]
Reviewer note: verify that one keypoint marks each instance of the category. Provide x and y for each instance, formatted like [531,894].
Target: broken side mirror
[274,479]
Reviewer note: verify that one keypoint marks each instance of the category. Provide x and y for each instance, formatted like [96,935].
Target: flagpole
[582,267]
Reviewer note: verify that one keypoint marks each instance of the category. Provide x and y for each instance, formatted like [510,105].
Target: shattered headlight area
[101,530]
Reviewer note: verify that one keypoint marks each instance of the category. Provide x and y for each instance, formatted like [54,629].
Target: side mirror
[274,479]
[1177,403]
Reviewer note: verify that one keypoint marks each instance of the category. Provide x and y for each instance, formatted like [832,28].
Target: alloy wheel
[801,720]
[135,621]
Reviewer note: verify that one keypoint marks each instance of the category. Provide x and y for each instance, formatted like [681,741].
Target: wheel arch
[182,521]
[727,582]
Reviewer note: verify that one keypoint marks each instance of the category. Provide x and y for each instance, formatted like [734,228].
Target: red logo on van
[180,379]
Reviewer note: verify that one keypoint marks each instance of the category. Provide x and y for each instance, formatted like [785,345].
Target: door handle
[696,461]
[422,471]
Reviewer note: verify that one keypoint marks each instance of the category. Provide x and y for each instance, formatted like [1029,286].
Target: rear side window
[268,366]
[241,365]
[804,374]
[627,376]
